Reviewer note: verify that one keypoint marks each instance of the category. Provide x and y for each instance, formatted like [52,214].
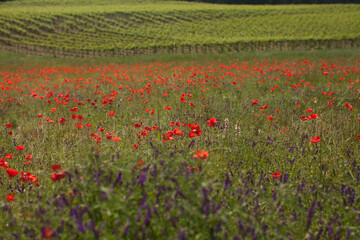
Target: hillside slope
[96,28]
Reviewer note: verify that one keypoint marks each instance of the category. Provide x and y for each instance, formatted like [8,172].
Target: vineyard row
[186,49]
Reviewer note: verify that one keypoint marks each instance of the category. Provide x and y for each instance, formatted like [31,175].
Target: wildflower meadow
[231,149]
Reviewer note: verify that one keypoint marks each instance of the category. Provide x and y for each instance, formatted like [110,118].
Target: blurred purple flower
[227,182]
[142,179]
[118,180]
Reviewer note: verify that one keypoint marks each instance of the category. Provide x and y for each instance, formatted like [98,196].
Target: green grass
[107,195]
[88,29]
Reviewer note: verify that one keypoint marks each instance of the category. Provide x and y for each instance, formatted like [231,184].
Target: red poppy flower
[11,172]
[315,140]
[28,177]
[263,107]
[8,125]
[10,133]
[167,108]
[313,116]
[74,116]
[174,123]
[195,130]
[211,122]
[275,175]
[62,121]
[3,164]
[270,118]
[9,156]
[28,157]
[116,139]
[101,129]
[49,120]
[137,125]
[74,109]
[304,118]
[178,132]
[108,135]
[57,176]
[112,113]
[349,106]
[20,148]
[194,169]
[168,136]
[46,234]
[56,167]
[53,110]
[80,117]
[182,99]
[201,154]
[79,125]
[144,133]
[88,125]
[10,197]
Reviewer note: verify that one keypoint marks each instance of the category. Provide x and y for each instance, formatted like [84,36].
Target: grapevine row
[122,32]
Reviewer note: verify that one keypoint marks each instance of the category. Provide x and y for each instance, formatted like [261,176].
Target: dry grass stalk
[237,129]
[227,123]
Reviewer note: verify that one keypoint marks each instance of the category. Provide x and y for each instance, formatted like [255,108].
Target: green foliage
[168,26]
[110,194]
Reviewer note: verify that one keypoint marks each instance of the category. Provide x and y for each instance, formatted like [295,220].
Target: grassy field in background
[98,28]
[258,145]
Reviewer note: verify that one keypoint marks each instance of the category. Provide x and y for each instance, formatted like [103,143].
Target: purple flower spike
[310,214]
[80,225]
[227,182]
[118,179]
[182,235]
[142,179]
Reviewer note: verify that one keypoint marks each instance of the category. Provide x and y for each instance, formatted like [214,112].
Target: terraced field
[69,29]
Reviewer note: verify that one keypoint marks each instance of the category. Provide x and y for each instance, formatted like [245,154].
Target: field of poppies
[254,148]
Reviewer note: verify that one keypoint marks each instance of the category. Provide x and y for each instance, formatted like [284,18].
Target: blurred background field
[106,28]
